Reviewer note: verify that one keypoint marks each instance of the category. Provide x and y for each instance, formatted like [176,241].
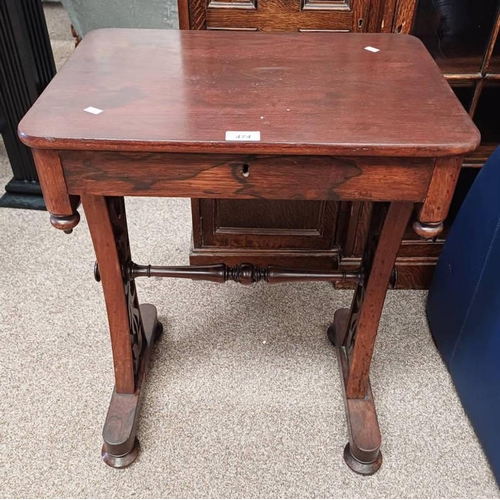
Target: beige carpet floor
[243,399]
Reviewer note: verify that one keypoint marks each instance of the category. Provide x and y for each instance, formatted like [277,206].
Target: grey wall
[88,15]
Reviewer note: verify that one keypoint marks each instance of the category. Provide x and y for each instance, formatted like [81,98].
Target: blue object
[463,307]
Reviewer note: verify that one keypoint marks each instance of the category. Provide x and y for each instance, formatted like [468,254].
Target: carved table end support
[121,445]
[362,454]
[354,332]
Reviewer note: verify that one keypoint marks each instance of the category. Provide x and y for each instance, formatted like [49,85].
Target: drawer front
[246,176]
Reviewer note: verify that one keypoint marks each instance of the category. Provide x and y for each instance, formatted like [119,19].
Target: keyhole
[360,23]
[246,170]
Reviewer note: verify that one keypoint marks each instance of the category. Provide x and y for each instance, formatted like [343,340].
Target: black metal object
[26,68]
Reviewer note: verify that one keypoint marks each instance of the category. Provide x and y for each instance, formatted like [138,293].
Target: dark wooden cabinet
[461,36]
[291,233]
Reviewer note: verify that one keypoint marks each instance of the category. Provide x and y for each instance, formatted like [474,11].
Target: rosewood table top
[318,93]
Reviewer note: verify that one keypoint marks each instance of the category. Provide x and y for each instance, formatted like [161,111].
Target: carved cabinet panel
[282,15]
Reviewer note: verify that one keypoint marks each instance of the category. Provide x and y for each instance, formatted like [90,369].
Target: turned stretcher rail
[246,274]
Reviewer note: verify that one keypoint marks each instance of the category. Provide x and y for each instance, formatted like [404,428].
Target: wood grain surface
[441,189]
[180,91]
[55,193]
[110,272]
[376,286]
[246,176]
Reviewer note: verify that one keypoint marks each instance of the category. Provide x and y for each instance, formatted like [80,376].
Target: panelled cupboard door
[282,15]
[265,232]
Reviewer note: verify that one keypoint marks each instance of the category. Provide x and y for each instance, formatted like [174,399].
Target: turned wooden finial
[428,230]
[65,222]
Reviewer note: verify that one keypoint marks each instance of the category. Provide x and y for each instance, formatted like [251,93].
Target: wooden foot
[364,469]
[121,446]
[120,462]
[362,453]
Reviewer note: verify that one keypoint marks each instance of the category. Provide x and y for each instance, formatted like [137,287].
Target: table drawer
[246,176]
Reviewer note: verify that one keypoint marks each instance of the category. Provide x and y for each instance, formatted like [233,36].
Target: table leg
[133,328]
[353,332]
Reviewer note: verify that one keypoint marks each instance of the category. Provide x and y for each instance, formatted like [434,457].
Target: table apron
[277,177]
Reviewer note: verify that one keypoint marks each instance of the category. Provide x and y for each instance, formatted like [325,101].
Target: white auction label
[93,111]
[242,136]
[372,49]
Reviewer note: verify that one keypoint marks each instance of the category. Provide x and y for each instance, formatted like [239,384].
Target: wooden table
[336,121]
